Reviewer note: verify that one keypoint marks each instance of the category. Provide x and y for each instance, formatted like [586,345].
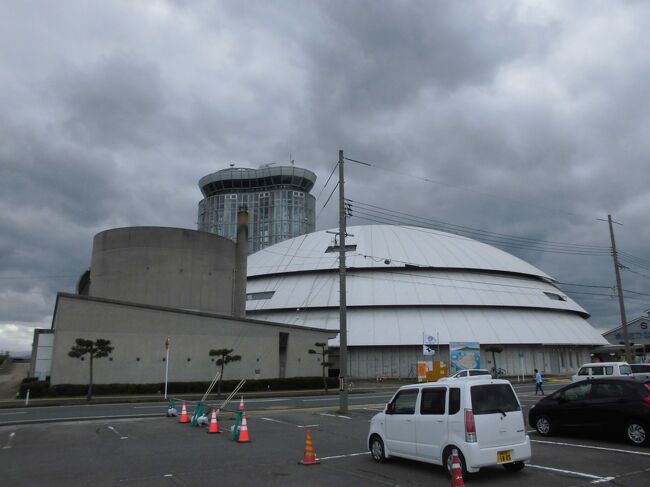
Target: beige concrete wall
[139,332]
[161,266]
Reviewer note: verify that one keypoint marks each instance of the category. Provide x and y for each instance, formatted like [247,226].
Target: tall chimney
[241,266]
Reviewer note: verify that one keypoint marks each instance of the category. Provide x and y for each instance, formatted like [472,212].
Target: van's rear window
[493,398]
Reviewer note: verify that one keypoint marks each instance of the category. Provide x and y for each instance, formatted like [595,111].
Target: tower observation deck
[277,199]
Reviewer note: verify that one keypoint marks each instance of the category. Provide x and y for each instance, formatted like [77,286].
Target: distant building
[277,199]
[638,334]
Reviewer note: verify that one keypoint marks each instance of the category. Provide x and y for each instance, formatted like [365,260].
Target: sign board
[464,355]
[429,341]
[423,368]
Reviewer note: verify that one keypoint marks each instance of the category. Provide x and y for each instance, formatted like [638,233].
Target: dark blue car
[620,405]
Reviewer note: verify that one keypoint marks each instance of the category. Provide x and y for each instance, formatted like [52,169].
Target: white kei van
[602,369]
[481,418]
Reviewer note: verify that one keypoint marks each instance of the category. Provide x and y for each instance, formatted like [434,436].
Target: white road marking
[571,472]
[11,437]
[16,412]
[335,398]
[335,415]
[117,433]
[275,420]
[344,456]
[161,407]
[591,447]
[290,424]
[269,400]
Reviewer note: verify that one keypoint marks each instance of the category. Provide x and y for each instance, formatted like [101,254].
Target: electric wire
[369,209]
[465,188]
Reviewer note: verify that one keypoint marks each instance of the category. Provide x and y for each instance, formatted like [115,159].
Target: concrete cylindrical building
[172,267]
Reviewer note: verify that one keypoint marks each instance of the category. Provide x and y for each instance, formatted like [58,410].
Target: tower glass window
[277,199]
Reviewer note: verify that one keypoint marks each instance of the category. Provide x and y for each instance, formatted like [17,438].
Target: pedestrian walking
[538,382]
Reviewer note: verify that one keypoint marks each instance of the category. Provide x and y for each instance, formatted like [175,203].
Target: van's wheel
[636,433]
[544,426]
[447,460]
[377,449]
[514,466]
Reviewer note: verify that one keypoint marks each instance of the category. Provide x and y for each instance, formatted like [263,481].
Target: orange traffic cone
[184,417]
[309,458]
[241,403]
[456,470]
[243,432]
[214,426]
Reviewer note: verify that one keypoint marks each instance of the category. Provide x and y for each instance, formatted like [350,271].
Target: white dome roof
[386,246]
[403,281]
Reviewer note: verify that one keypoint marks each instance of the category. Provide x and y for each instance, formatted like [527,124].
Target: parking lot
[160,451]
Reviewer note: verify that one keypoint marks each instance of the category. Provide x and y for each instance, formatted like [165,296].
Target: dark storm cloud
[528,118]
[118,102]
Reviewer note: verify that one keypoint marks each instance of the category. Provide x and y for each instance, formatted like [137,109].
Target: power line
[473,189]
[524,240]
[395,221]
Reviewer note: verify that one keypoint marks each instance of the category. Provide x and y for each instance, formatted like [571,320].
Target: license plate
[504,456]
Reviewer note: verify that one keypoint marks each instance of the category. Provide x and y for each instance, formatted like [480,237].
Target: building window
[260,295]
[337,248]
[554,297]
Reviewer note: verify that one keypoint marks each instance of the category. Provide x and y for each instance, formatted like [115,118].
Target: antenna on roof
[290,159]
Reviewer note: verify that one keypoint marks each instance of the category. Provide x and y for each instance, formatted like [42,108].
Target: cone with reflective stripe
[309,458]
[243,432]
[241,403]
[456,470]
[214,426]
[184,417]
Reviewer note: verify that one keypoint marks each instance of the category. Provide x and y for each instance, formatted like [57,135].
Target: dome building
[407,282]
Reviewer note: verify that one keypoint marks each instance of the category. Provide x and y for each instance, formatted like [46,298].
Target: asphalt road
[158,451]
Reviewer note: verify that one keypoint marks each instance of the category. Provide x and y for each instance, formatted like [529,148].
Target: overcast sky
[528,118]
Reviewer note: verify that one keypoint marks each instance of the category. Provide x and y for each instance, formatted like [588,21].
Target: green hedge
[43,389]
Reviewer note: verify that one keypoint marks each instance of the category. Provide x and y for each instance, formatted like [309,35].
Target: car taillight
[646,399]
[470,427]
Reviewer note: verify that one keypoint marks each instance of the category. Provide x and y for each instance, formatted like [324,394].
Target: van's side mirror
[389,408]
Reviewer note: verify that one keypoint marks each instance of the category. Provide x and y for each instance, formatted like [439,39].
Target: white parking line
[333,398]
[16,412]
[335,415]
[591,447]
[274,420]
[597,478]
[117,433]
[345,456]
[290,424]
[11,437]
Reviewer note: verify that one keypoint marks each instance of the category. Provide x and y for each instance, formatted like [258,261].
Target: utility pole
[619,290]
[343,329]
